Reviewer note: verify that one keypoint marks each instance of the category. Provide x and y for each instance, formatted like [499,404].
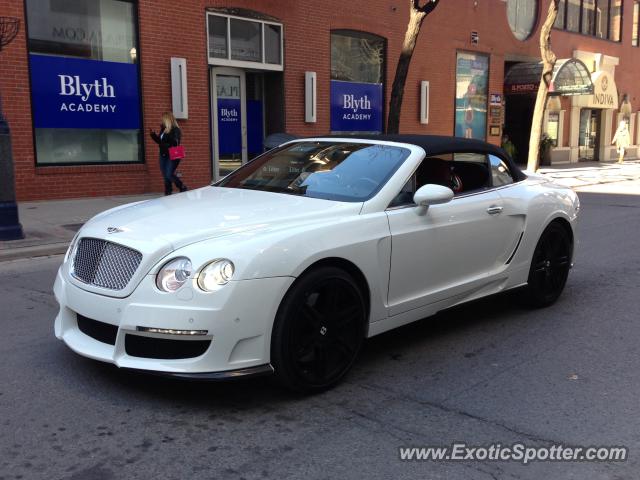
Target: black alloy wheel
[319,330]
[549,267]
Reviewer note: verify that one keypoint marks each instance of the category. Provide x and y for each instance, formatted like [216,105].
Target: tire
[549,269]
[318,331]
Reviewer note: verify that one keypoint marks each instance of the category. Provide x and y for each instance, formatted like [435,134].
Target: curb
[33,251]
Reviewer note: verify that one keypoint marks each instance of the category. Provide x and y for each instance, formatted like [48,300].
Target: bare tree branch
[427,8]
[417,14]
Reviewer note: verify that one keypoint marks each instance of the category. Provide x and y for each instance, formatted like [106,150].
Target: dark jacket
[171,139]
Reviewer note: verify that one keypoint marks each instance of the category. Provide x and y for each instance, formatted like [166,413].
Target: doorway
[589,134]
[518,114]
[237,118]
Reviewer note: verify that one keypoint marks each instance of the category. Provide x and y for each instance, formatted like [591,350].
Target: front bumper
[238,320]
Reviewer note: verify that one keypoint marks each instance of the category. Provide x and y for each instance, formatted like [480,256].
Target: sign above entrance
[605,92]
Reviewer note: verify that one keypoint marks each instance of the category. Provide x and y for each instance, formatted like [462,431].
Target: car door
[513,215]
[447,250]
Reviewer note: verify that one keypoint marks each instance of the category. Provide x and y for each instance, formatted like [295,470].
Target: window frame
[142,154]
[556,139]
[593,33]
[229,62]
[506,165]
[534,24]
[363,34]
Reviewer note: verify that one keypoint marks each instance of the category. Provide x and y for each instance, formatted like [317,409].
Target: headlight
[174,274]
[215,275]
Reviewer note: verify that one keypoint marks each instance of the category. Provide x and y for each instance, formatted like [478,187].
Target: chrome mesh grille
[105,264]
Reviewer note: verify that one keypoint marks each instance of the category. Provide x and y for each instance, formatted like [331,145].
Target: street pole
[10,228]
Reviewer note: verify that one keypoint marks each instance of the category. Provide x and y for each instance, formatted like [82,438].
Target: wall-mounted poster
[356,107]
[472,78]
[79,93]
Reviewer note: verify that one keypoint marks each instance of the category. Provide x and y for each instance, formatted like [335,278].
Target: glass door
[589,140]
[229,115]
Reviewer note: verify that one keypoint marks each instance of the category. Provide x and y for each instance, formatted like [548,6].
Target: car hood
[208,212]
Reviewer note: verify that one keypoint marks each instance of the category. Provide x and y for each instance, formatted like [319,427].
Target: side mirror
[432,194]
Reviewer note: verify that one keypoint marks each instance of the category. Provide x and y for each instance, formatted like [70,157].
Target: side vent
[515,249]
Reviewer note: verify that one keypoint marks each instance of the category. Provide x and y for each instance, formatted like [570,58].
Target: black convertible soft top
[440,144]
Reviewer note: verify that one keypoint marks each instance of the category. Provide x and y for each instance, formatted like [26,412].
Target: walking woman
[622,140]
[169,136]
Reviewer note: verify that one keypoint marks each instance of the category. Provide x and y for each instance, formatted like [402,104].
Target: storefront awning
[570,77]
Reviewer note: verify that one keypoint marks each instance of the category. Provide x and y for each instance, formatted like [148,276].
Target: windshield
[343,171]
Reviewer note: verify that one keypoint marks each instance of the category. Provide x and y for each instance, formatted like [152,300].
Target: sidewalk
[50,225]
[583,174]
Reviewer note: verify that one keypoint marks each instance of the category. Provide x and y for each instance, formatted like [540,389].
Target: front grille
[103,332]
[164,348]
[105,264]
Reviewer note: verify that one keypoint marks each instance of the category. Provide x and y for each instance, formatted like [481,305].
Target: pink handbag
[176,153]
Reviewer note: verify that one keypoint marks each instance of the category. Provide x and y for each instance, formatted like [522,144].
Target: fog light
[171,331]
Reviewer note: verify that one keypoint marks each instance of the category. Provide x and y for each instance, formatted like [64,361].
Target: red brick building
[238,71]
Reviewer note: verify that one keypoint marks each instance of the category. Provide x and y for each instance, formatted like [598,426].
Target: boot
[181,186]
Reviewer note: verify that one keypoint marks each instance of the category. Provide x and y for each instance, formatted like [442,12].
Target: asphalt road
[482,373]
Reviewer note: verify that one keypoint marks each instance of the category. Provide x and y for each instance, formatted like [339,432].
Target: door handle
[494,210]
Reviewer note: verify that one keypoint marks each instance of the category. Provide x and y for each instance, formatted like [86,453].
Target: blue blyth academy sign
[77,93]
[356,107]
[229,130]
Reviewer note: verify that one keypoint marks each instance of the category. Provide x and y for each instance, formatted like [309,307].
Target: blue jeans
[168,169]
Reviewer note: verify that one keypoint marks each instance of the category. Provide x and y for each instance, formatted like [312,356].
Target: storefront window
[357,75]
[244,43]
[522,15]
[553,124]
[472,78]
[598,18]
[84,81]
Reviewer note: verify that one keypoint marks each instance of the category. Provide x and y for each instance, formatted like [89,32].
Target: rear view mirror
[432,194]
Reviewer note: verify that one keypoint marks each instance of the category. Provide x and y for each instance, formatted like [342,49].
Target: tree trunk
[548,62]
[402,69]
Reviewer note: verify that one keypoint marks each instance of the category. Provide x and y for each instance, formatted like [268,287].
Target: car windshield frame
[337,170]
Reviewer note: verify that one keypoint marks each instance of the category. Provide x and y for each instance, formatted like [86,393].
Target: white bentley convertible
[286,265]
